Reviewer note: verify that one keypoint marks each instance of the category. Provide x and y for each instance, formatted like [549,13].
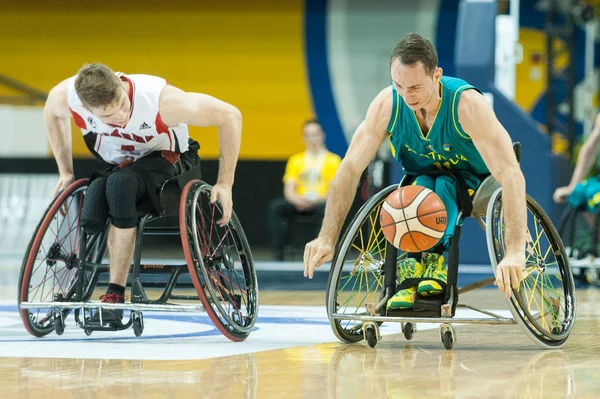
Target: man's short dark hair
[414,48]
[97,85]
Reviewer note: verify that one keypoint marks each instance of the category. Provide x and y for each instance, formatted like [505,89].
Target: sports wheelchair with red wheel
[63,265]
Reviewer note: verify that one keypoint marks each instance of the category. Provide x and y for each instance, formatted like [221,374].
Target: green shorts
[446,188]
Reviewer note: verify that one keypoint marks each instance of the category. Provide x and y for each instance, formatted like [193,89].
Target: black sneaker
[112,316]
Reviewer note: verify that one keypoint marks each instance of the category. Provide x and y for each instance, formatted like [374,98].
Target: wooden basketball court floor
[293,354]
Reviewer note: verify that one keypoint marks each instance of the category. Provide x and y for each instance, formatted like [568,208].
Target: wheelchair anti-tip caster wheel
[409,329]
[371,332]
[138,323]
[447,336]
[59,323]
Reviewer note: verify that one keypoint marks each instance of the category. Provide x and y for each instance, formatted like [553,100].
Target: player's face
[313,135]
[414,84]
[116,114]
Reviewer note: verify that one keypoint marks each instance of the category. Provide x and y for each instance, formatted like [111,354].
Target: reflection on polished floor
[486,362]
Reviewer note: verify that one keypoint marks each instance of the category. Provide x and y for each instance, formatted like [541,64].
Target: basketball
[413,218]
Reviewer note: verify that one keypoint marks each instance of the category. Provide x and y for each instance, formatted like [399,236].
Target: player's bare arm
[587,156]
[177,106]
[58,127]
[495,146]
[366,141]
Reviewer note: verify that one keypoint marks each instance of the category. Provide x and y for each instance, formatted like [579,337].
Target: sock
[116,289]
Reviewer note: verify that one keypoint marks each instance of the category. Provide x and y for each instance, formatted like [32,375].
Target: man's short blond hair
[97,85]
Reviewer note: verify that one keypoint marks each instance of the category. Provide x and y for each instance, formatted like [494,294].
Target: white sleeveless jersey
[145,132]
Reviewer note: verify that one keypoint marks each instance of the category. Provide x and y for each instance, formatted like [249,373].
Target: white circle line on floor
[180,336]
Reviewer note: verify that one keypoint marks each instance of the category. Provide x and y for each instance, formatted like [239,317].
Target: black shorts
[124,193]
[152,171]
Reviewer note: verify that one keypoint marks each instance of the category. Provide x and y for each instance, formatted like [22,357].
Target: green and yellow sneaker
[403,299]
[433,265]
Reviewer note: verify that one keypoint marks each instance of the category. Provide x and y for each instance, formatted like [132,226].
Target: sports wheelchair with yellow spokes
[363,275]
[63,265]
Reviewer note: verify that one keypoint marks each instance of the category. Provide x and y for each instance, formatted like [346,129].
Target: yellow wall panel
[532,72]
[250,54]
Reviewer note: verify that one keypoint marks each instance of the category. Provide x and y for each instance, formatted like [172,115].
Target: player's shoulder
[62,88]
[471,101]
[384,100]
[58,98]
[381,108]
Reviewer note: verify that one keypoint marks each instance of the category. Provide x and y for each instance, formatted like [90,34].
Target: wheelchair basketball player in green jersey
[433,122]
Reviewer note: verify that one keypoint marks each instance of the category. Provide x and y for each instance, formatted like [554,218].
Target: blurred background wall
[279,62]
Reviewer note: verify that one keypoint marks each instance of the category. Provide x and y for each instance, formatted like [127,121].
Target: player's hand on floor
[317,252]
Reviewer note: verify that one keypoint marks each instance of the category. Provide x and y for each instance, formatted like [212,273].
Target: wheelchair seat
[168,196]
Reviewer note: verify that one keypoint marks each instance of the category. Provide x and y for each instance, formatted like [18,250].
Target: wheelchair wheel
[578,239]
[544,304]
[50,267]
[219,261]
[356,278]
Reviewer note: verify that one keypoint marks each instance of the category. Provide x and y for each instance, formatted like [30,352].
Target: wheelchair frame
[584,262]
[438,311]
[88,267]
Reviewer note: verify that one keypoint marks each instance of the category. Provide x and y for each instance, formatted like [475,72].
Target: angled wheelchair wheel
[578,239]
[51,266]
[544,304]
[575,233]
[219,261]
[356,278]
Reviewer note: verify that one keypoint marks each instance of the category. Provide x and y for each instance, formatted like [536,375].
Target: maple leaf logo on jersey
[144,126]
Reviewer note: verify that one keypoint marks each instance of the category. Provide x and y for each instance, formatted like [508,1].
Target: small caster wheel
[447,335]
[138,324]
[409,330]
[87,331]
[371,335]
[59,324]
[448,340]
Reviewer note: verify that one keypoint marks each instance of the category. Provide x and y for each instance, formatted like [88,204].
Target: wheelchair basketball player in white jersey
[138,124]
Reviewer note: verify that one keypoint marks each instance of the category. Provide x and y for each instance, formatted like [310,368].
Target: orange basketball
[413,218]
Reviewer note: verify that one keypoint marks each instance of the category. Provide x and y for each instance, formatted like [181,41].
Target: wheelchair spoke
[60,226]
[221,264]
[51,266]
[219,244]
[543,304]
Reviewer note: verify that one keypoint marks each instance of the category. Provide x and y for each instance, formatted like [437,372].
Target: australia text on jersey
[440,160]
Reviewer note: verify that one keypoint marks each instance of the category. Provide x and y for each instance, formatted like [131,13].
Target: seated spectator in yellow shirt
[306,185]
